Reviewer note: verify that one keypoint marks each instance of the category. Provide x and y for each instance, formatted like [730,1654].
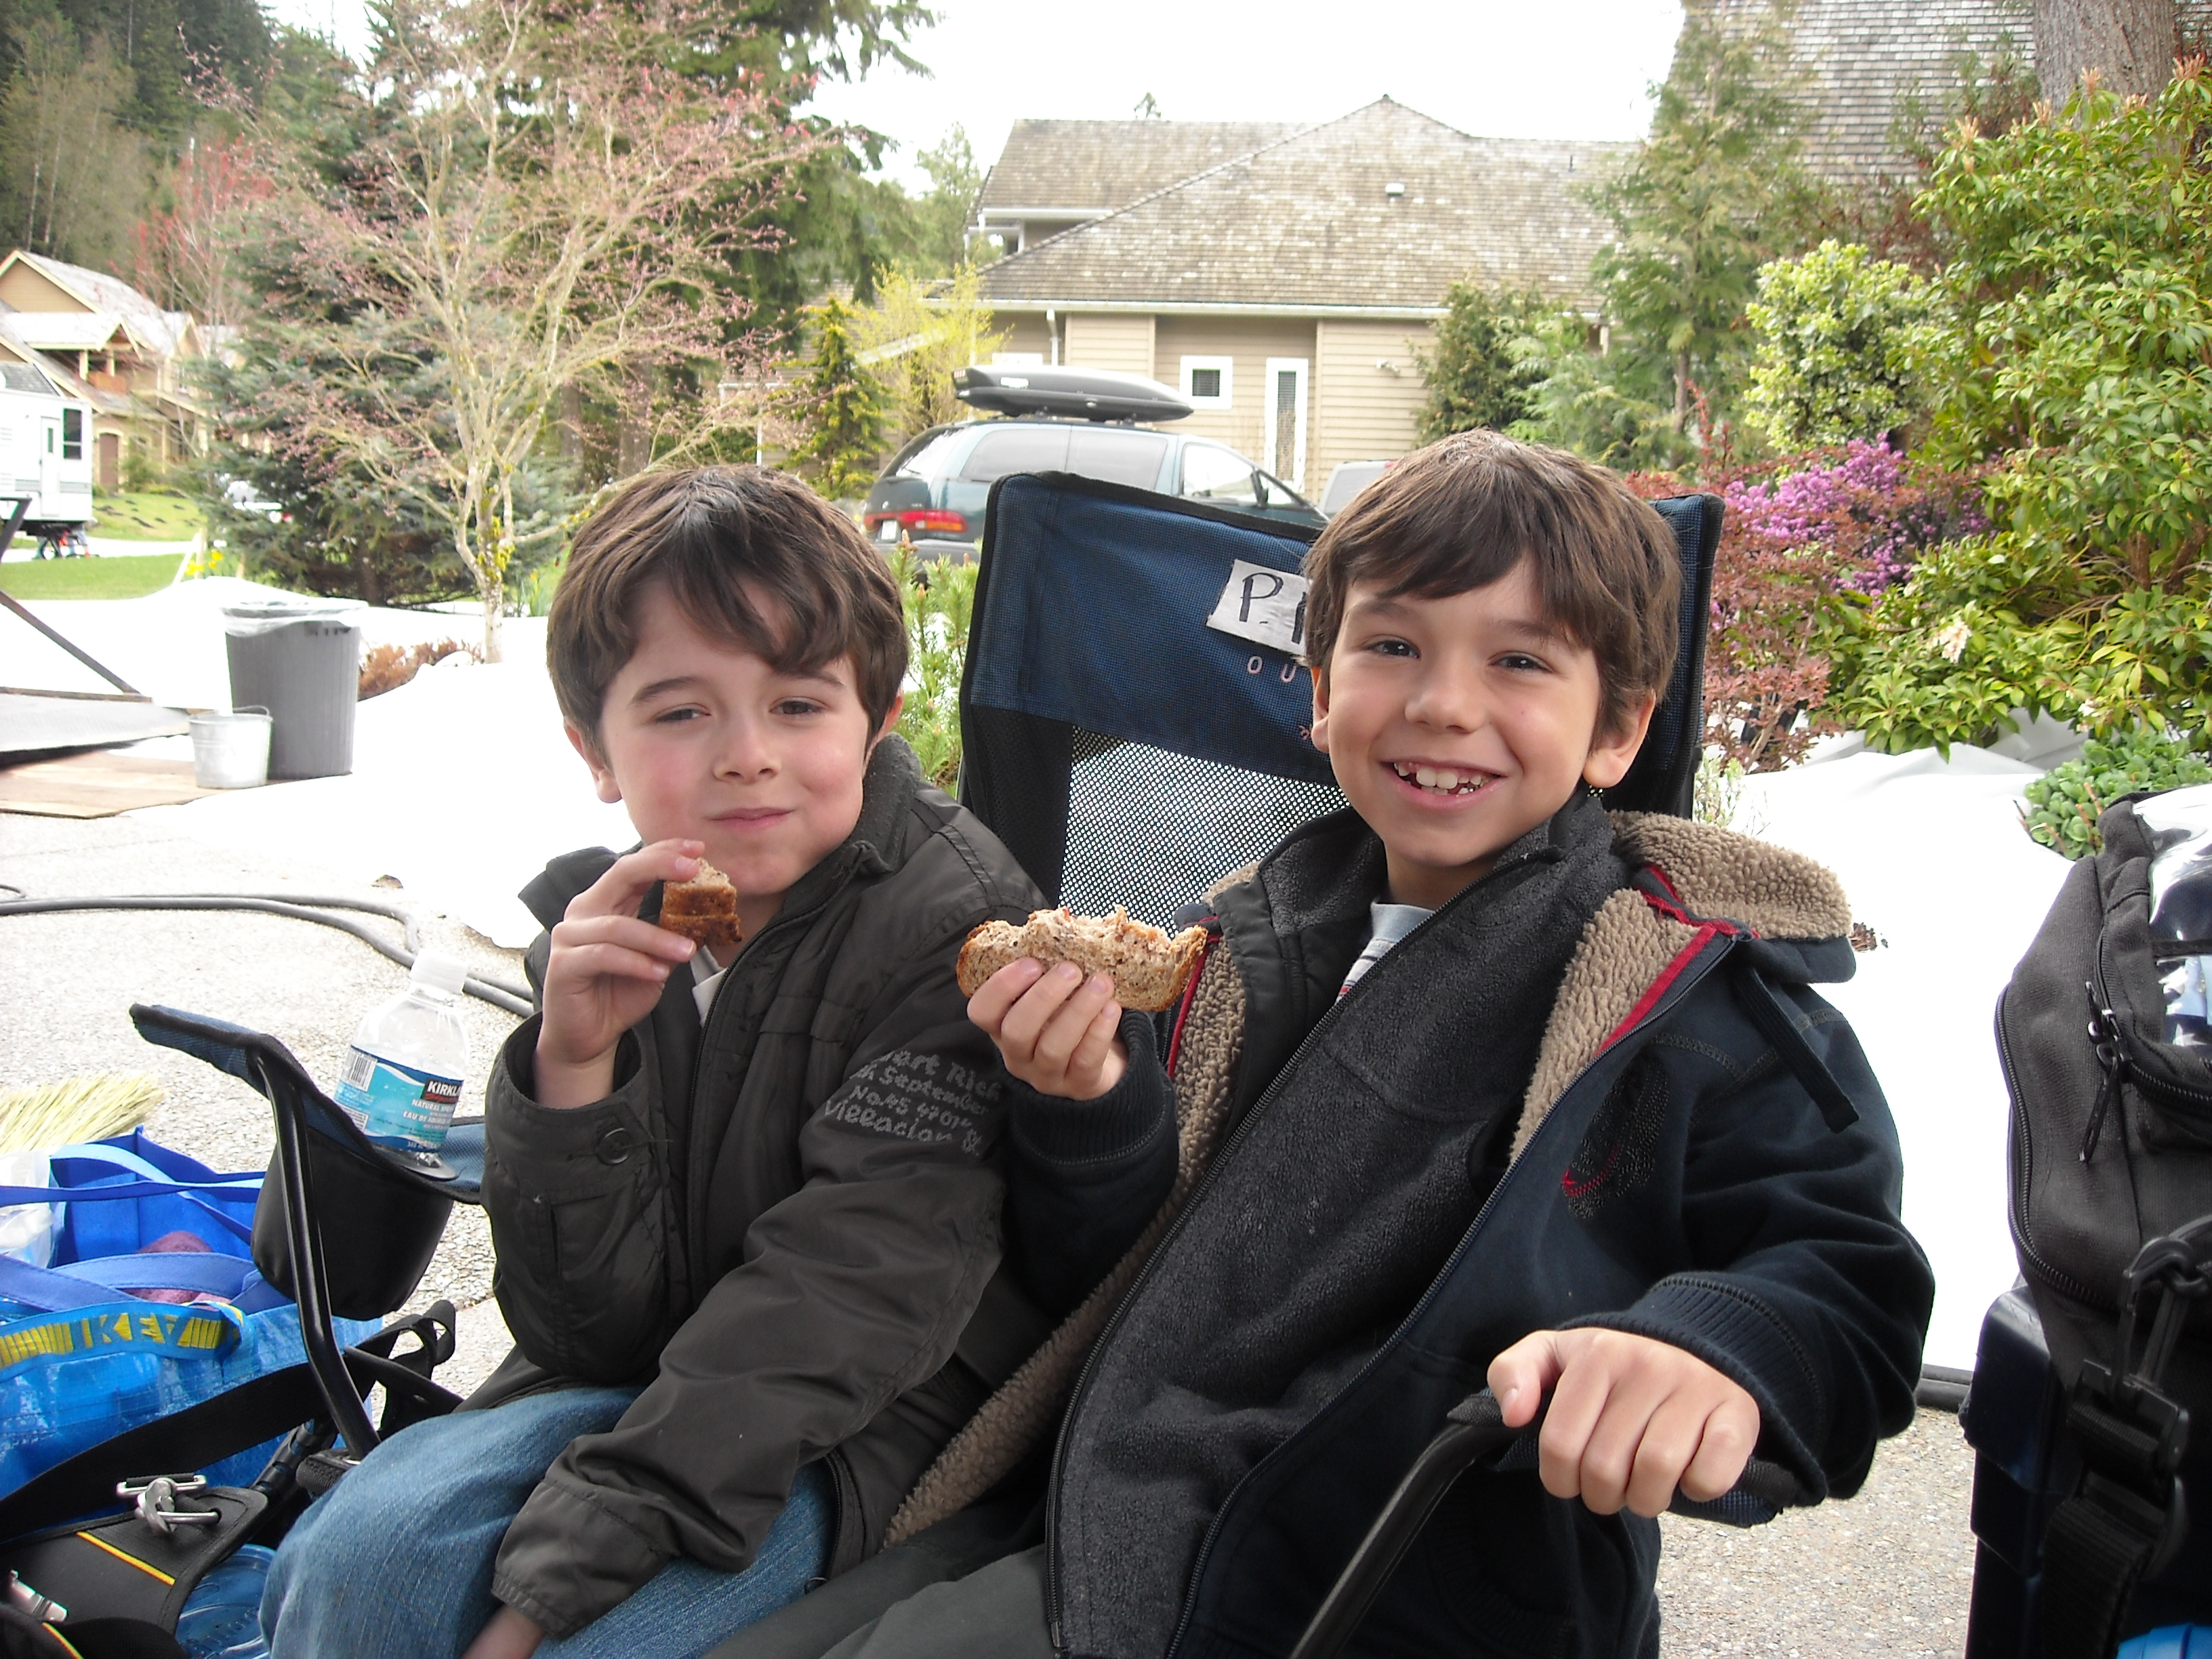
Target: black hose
[303,907]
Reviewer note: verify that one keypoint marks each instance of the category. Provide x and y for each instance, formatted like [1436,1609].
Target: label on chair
[1266,606]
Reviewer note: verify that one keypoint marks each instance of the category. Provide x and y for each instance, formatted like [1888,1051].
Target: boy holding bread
[741,1177]
[1476,1082]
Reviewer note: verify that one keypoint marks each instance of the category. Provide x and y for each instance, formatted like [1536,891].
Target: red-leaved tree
[185,255]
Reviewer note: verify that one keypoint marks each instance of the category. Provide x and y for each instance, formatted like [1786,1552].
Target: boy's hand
[1058,1033]
[508,1636]
[606,973]
[1631,1419]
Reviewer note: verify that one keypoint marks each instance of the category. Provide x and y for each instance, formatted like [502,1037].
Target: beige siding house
[104,342]
[1287,279]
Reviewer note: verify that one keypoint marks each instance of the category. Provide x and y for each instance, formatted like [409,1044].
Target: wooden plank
[97,785]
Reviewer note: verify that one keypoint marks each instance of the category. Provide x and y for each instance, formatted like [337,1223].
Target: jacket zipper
[695,1225]
[2024,1161]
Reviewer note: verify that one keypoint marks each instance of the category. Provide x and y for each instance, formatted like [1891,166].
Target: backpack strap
[2127,1515]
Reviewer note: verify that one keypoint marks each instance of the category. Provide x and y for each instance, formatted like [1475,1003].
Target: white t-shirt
[1392,923]
[706,979]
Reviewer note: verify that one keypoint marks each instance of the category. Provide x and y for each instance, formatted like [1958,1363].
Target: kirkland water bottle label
[397,1105]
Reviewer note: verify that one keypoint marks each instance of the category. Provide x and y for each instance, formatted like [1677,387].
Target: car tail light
[933,521]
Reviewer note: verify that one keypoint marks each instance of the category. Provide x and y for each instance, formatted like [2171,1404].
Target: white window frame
[1228,367]
[1303,368]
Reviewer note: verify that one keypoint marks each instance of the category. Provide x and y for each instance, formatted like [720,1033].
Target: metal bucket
[231,752]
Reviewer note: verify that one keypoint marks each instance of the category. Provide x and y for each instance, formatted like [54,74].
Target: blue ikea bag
[81,1359]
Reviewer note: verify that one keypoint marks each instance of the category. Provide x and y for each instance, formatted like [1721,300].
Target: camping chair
[327,1182]
[1133,715]
[1134,720]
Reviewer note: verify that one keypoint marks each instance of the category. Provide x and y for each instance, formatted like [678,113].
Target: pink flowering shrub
[1874,506]
[1798,532]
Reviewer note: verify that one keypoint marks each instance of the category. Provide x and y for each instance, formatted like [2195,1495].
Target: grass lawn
[142,515]
[90,578]
[146,515]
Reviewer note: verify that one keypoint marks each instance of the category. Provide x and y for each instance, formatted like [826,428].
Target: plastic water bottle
[221,1618]
[402,1080]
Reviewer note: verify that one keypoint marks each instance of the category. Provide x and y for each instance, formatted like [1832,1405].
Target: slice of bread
[1149,969]
[704,909]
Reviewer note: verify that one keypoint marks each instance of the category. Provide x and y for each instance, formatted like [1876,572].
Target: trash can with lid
[300,660]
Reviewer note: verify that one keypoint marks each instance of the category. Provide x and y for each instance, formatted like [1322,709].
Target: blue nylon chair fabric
[1097,616]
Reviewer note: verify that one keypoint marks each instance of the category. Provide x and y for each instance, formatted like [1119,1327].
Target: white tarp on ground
[463,785]
[1935,860]
[170,644]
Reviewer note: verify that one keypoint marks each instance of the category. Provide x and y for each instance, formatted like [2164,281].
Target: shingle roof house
[105,343]
[1054,174]
[1875,68]
[1285,287]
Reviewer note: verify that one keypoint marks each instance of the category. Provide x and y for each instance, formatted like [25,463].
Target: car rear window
[926,460]
[1118,457]
[1016,448]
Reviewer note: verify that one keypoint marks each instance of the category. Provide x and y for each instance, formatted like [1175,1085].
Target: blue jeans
[396,1558]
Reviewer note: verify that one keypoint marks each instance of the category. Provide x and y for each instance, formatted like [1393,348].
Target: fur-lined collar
[1629,944]
[1775,892]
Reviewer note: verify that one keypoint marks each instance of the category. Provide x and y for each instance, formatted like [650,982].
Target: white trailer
[46,460]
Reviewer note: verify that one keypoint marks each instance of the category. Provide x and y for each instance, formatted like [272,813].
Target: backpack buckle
[2132,1436]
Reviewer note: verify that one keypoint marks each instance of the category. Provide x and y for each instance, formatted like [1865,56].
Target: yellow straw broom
[88,1108]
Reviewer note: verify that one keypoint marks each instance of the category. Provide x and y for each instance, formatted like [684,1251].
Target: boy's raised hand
[606,972]
[1057,1032]
[1632,1419]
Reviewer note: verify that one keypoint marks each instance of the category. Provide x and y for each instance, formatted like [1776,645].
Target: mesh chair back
[1133,716]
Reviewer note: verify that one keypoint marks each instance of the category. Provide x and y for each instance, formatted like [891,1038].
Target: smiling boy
[1507,1089]
[746,1206]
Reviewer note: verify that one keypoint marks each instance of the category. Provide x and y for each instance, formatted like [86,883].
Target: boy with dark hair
[744,1203]
[1504,1087]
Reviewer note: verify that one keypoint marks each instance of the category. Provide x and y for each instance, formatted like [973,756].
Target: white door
[1287,420]
[50,461]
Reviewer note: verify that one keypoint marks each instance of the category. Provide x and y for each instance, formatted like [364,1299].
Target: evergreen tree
[838,228]
[1712,194]
[1481,372]
[840,407]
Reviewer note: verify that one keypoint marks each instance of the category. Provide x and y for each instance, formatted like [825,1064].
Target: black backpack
[2110,1169]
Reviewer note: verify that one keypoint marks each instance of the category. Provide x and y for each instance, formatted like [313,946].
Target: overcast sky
[1525,68]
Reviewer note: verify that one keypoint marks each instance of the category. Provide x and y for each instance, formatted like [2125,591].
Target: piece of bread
[1149,969]
[704,909]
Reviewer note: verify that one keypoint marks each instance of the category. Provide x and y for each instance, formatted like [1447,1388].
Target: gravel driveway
[1889,1572]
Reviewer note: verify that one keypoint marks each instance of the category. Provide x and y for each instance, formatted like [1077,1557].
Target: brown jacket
[785,1223]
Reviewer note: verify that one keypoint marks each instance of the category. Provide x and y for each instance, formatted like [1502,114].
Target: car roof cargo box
[1083,394]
